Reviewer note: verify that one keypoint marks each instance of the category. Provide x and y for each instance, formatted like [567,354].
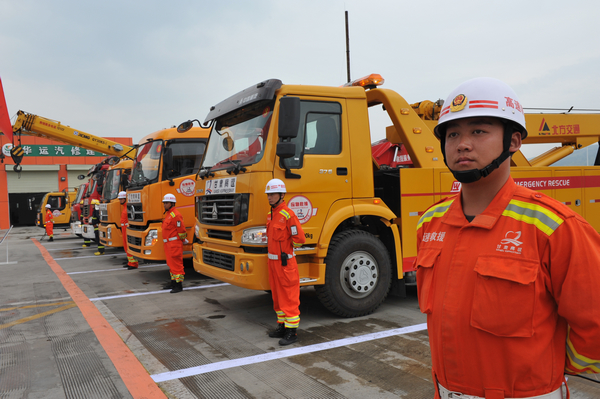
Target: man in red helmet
[508,277]
[284,233]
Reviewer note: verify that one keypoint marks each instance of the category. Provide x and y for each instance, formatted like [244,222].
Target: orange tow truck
[359,219]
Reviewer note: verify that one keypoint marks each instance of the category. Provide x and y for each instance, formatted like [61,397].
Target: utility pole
[347,47]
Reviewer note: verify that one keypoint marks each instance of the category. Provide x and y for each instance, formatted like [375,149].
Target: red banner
[5,126]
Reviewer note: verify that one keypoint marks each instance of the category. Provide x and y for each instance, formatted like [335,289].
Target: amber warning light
[371,81]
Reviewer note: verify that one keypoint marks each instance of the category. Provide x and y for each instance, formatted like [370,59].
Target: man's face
[473,143]
[167,205]
[273,198]
[122,200]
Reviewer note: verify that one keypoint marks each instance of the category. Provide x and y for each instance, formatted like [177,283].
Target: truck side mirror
[286,149]
[289,117]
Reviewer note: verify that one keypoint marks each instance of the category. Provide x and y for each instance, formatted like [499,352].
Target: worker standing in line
[284,233]
[86,241]
[95,221]
[174,237]
[132,262]
[49,223]
[508,277]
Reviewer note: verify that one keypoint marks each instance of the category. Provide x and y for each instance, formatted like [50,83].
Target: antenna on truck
[347,47]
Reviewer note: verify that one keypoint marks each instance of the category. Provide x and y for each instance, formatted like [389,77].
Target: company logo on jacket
[510,243]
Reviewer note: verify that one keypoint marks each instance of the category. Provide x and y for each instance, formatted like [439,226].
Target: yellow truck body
[166,163]
[60,203]
[359,221]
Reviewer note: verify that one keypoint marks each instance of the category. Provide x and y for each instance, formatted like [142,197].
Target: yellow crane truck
[359,220]
[34,125]
[166,162]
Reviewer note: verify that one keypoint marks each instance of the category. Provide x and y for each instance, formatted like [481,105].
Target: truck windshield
[42,203]
[111,184]
[239,137]
[182,157]
[79,195]
[147,163]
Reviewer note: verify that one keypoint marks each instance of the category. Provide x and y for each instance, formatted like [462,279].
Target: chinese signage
[37,150]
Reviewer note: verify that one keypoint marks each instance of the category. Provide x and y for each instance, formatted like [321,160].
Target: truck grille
[134,241]
[216,259]
[135,213]
[220,235]
[85,210]
[103,215]
[223,210]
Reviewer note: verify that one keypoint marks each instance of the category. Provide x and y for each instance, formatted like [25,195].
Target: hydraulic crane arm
[34,125]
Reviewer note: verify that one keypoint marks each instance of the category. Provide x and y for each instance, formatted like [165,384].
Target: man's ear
[515,142]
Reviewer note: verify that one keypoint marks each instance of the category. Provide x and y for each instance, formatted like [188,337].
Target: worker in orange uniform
[174,237]
[95,221]
[508,277]
[132,262]
[284,233]
[49,223]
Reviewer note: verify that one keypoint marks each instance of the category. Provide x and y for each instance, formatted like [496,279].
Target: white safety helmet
[122,195]
[482,97]
[169,198]
[275,186]
[48,206]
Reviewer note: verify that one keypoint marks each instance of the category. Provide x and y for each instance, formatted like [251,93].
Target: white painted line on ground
[66,249]
[155,292]
[92,256]
[207,368]
[118,269]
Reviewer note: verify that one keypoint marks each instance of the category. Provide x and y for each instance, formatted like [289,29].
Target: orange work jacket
[506,294]
[173,227]
[283,230]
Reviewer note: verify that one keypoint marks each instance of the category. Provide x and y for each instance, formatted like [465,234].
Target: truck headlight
[151,238]
[197,231]
[109,233]
[255,235]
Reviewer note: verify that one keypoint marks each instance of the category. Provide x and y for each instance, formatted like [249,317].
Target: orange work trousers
[131,261]
[285,289]
[174,255]
[50,229]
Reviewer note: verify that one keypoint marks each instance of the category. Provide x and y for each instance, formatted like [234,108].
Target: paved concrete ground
[209,341]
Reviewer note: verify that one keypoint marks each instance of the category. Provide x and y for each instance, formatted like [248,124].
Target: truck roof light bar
[368,82]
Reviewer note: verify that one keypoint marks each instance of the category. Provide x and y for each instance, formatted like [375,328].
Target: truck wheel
[357,275]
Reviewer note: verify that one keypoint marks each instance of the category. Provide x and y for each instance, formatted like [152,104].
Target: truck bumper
[154,252]
[232,265]
[76,228]
[111,236]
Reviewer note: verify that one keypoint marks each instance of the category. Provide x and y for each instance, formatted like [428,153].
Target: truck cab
[60,205]
[116,180]
[166,163]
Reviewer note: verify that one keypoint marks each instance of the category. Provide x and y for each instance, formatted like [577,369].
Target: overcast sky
[129,68]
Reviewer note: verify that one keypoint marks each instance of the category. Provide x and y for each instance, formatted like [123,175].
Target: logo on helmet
[459,102]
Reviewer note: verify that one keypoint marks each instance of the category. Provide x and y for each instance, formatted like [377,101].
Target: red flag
[5,125]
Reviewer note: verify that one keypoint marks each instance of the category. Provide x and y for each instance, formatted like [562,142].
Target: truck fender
[345,209]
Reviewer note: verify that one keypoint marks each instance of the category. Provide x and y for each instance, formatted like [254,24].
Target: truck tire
[357,275]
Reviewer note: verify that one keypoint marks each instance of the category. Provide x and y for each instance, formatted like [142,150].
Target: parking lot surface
[75,325]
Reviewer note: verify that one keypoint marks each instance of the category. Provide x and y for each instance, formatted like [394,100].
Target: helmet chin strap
[472,175]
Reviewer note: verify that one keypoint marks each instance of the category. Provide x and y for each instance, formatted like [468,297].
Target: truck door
[321,165]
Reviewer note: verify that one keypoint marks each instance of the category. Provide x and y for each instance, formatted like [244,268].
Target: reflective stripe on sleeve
[577,363]
[437,212]
[542,218]
[276,257]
